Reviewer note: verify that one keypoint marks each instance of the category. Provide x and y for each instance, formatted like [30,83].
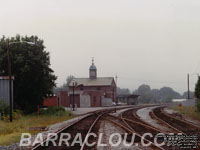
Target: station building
[93,91]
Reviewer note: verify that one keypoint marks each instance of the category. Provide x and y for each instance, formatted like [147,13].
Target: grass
[11,132]
[188,112]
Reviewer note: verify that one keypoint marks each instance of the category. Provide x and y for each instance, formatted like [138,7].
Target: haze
[154,42]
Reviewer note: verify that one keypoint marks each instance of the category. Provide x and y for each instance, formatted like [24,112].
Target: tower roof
[93,67]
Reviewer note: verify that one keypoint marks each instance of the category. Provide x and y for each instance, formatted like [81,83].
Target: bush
[198,105]
[17,114]
[4,109]
[58,111]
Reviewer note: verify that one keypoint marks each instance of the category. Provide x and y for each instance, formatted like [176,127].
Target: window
[94,99]
[81,88]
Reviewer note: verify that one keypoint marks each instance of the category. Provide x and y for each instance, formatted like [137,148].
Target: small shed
[4,89]
[130,99]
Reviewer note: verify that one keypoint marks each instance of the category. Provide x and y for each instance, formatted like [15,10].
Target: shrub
[58,111]
[4,109]
[198,105]
[17,114]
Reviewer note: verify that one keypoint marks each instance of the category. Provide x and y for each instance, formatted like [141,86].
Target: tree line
[148,95]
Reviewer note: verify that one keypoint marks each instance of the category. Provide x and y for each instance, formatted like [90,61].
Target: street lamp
[9,73]
[73,84]
[188,82]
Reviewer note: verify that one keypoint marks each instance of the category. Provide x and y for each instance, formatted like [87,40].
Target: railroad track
[128,121]
[84,126]
[139,129]
[117,121]
[180,125]
[137,125]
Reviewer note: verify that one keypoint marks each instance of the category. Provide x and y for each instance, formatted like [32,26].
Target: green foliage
[57,111]
[4,109]
[198,105]
[65,86]
[197,89]
[123,91]
[17,114]
[197,94]
[163,95]
[34,78]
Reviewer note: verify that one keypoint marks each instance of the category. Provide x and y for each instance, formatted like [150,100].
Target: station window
[81,88]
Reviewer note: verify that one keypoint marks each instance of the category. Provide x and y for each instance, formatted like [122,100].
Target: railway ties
[128,121]
[179,124]
[117,121]
[81,129]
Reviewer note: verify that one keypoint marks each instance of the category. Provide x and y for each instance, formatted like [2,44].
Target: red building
[60,99]
[86,92]
[93,91]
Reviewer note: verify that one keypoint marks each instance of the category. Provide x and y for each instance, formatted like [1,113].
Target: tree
[34,78]
[185,95]
[197,89]
[148,95]
[145,93]
[123,91]
[69,79]
[65,86]
[197,93]
[167,94]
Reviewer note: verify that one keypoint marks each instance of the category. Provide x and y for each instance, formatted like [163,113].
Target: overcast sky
[156,42]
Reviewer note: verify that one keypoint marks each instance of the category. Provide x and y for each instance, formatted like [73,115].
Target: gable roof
[102,81]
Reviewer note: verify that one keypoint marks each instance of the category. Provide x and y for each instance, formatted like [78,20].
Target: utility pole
[73,95]
[9,74]
[188,84]
[116,87]
[10,82]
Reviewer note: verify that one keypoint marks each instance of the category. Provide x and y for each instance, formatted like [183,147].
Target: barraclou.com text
[115,139]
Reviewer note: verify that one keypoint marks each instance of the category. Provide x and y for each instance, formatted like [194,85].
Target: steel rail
[182,120]
[128,121]
[179,120]
[89,131]
[130,130]
[139,121]
[178,127]
[60,131]
[66,127]
[165,123]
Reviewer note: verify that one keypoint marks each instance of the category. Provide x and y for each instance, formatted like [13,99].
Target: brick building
[88,92]
[93,91]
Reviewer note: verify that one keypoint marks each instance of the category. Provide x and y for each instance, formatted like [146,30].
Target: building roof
[102,81]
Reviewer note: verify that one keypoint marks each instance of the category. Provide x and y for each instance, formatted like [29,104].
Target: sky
[154,42]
